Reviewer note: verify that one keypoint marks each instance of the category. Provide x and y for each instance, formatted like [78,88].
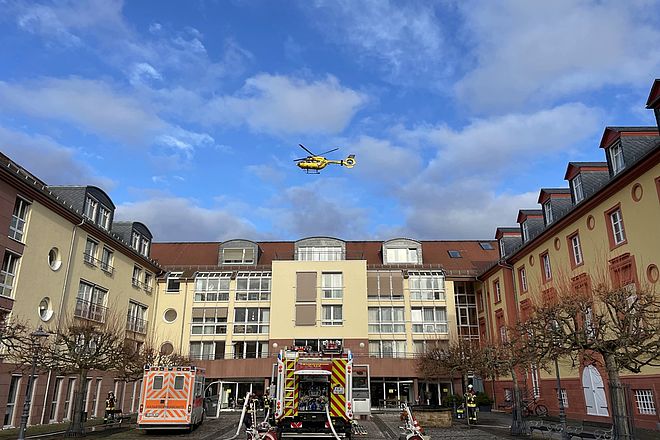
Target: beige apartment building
[65,259]
[233,305]
[603,227]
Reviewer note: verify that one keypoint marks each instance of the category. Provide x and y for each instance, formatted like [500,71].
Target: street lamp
[39,333]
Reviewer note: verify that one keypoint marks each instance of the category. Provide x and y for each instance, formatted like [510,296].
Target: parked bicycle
[532,407]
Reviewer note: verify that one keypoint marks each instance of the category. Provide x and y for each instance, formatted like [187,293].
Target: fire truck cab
[314,392]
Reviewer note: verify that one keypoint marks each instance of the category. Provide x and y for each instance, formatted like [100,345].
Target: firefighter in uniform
[471,404]
[109,407]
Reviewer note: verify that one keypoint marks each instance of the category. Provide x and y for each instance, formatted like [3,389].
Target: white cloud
[325,207]
[492,146]
[49,161]
[402,39]
[539,51]
[280,105]
[90,105]
[182,219]
[143,72]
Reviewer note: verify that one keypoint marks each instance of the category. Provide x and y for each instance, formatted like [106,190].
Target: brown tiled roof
[185,254]
[435,254]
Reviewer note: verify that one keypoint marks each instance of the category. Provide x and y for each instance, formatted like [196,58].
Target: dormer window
[315,253]
[140,243]
[135,240]
[578,192]
[238,256]
[502,248]
[525,231]
[616,158]
[144,247]
[547,210]
[402,255]
[91,206]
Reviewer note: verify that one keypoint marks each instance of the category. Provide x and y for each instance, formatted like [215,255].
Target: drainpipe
[59,316]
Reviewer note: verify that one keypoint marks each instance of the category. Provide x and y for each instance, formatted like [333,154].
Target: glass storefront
[391,392]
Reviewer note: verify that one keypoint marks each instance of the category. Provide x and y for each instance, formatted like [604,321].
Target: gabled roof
[507,230]
[574,168]
[525,213]
[546,193]
[611,134]
[654,95]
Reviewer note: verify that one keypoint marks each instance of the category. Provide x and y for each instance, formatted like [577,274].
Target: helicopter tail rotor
[349,162]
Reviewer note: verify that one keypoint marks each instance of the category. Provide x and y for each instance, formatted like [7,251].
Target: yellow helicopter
[314,163]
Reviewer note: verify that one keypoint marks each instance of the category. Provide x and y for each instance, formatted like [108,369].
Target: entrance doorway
[594,392]
[390,393]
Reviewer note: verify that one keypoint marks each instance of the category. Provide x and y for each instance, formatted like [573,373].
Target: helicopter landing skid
[313,171]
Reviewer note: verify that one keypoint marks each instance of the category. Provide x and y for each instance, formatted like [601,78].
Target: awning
[313,373]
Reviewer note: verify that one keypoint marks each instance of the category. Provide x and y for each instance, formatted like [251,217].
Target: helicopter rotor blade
[303,147]
[298,160]
[329,151]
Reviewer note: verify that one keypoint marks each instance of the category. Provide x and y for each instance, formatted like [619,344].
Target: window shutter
[372,283]
[306,314]
[397,284]
[232,255]
[306,286]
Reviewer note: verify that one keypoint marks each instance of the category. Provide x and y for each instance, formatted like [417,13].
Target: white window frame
[437,325]
[253,286]
[563,395]
[525,231]
[402,255]
[645,402]
[244,259]
[104,217]
[208,325]
[547,268]
[148,281]
[144,246]
[536,385]
[547,210]
[261,350]
[212,286]
[578,189]
[497,294]
[320,253]
[135,240]
[380,322]
[57,395]
[91,249]
[335,317]
[502,248]
[388,349]
[173,276]
[618,231]
[259,326]
[107,259]
[616,157]
[19,219]
[523,279]
[332,285]
[91,208]
[11,401]
[577,249]
[426,286]
[8,274]
[136,278]
[137,317]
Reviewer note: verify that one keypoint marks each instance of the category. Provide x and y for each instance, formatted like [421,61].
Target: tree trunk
[77,426]
[518,426]
[620,414]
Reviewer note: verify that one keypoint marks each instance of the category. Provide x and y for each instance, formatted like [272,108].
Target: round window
[166,349]
[170,315]
[54,260]
[45,309]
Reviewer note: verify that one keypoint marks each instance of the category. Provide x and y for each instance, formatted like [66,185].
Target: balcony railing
[106,267]
[136,325]
[89,310]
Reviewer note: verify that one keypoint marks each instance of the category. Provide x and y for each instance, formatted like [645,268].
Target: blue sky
[189,113]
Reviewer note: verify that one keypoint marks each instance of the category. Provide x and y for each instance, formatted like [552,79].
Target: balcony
[89,310]
[137,325]
[106,267]
[90,259]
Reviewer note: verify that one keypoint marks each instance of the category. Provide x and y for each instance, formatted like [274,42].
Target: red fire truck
[172,398]
[314,392]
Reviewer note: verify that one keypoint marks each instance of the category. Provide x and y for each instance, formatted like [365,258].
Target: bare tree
[135,359]
[78,347]
[617,327]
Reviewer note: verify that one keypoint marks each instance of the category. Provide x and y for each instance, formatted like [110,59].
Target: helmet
[470,387]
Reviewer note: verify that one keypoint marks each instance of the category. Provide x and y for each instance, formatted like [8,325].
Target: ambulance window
[178,382]
[158,382]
